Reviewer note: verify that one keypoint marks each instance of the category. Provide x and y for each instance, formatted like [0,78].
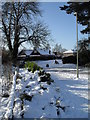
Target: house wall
[67,54]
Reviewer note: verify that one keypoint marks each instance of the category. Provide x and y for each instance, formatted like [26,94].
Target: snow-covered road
[74,92]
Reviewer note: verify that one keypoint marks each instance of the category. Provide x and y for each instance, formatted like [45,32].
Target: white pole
[77,44]
[1,46]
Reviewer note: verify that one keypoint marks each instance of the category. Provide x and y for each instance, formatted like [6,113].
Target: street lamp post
[77,42]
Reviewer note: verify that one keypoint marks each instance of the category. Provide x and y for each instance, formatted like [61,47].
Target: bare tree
[16,21]
[57,48]
[40,35]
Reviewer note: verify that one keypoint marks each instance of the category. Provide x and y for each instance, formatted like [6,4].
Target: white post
[0,46]
[77,45]
[77,42]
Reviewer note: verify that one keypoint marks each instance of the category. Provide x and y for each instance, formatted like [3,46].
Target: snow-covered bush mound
[36,98]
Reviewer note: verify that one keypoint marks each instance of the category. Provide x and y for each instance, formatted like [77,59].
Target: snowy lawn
[66,97]
[74,92]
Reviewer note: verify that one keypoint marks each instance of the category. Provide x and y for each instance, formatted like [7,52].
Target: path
[74,93]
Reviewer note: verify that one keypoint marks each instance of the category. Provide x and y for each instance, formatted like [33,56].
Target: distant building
[44,52]
[35,52]
[69,53]
[27,53]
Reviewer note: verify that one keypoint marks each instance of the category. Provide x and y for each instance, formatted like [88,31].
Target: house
[69,53]
[28,53]
[24,53]
[44,52]
[35,52]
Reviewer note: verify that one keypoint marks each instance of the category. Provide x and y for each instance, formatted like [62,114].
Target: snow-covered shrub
[5,95]
[26,97]
[28,86]
[44,88]
[56,62]
[58,105]
[47,65]
[41,72]
[32,66]
[45,77]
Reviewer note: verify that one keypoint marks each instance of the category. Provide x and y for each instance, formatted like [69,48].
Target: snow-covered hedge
[11,98]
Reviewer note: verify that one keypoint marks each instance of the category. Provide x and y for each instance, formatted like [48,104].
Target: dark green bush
[32,66]
[88,65]
[69,59]
[84,57]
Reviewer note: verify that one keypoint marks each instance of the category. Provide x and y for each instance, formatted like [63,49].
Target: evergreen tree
[83,13]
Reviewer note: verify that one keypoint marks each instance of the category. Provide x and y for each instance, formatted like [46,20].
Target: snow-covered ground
[43,101]
[74,92]
[67,92]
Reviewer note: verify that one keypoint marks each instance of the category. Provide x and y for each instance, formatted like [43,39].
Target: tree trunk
[15,53]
